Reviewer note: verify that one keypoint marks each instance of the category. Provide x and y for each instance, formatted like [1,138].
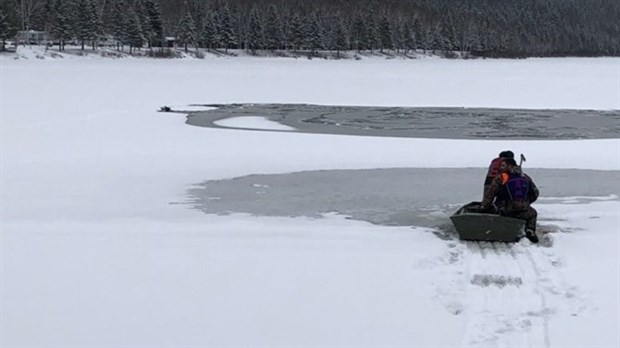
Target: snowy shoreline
[73,52]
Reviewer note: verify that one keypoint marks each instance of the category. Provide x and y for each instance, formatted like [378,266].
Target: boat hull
[472,225]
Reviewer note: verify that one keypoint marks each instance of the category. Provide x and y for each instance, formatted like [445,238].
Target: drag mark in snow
[508,295]
[506,292]
[544,312]
[497,280]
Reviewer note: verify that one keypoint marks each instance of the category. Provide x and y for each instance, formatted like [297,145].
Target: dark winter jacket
[506,199]
[495,169]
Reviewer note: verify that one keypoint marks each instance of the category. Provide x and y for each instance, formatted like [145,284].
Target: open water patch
[423,197]
[428,122]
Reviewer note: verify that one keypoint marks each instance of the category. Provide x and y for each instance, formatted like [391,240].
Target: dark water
[394,197]
[403,197]
[450,123]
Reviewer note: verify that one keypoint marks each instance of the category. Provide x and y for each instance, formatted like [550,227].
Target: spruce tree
[87,22]
[135,36]
[296,32]
[255,31]
[314,35]
[385,34]
[97,23]
[209,31]
[4,28]
[145,22]
[61,22]
[156,34]
[187,30]
[227,31]
[374,39]
[448,35]
[409,39]
[340,40]
[286,30]
[360,34]
[118,25]
[398,36]
[273,29]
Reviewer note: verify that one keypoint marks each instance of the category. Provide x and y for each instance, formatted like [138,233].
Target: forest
[485,28]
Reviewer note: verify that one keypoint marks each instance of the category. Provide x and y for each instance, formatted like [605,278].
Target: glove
[484,209]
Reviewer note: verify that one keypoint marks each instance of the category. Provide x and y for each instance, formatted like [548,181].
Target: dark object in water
[165,109]
[474,225]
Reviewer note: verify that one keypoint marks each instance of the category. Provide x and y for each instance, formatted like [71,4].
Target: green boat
[472,225]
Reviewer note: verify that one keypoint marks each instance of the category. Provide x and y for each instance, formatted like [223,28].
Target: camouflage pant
[528,215]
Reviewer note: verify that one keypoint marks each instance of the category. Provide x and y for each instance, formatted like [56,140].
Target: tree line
[493,28]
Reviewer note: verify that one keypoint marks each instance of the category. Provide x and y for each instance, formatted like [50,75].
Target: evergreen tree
[409,39]
[4,28]
[448,35]
[427,39]
[97,23]
[374,39]
[296,32]
[227,32]
[255,32]
[87,22]
[286,30]
[273,29]
[417,30]
[28,11]
[239,27]
[516,28]
[135,36]
[360,34]
[47,14]
[117,22]
[187,30]
[314,35]
[385,34]
[60,22]
[156,33]
[398,36]
[148,32]
[209,31]
[466,23]
[340,41]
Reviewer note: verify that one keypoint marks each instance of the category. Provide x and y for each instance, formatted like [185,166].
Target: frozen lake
[94,254]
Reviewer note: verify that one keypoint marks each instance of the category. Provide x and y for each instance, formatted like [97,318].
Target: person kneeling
[512,193]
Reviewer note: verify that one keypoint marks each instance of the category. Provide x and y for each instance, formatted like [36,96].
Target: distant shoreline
[40,52]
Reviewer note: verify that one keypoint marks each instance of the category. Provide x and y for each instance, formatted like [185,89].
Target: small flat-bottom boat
[473,225]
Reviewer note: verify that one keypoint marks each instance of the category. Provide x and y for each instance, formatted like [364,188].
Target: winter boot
[531,235]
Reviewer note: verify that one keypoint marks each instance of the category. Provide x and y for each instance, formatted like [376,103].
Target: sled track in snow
[508,292]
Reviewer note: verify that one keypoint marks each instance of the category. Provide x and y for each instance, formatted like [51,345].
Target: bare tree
[27,9]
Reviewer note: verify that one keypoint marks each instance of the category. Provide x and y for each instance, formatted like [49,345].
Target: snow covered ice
[101,245]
